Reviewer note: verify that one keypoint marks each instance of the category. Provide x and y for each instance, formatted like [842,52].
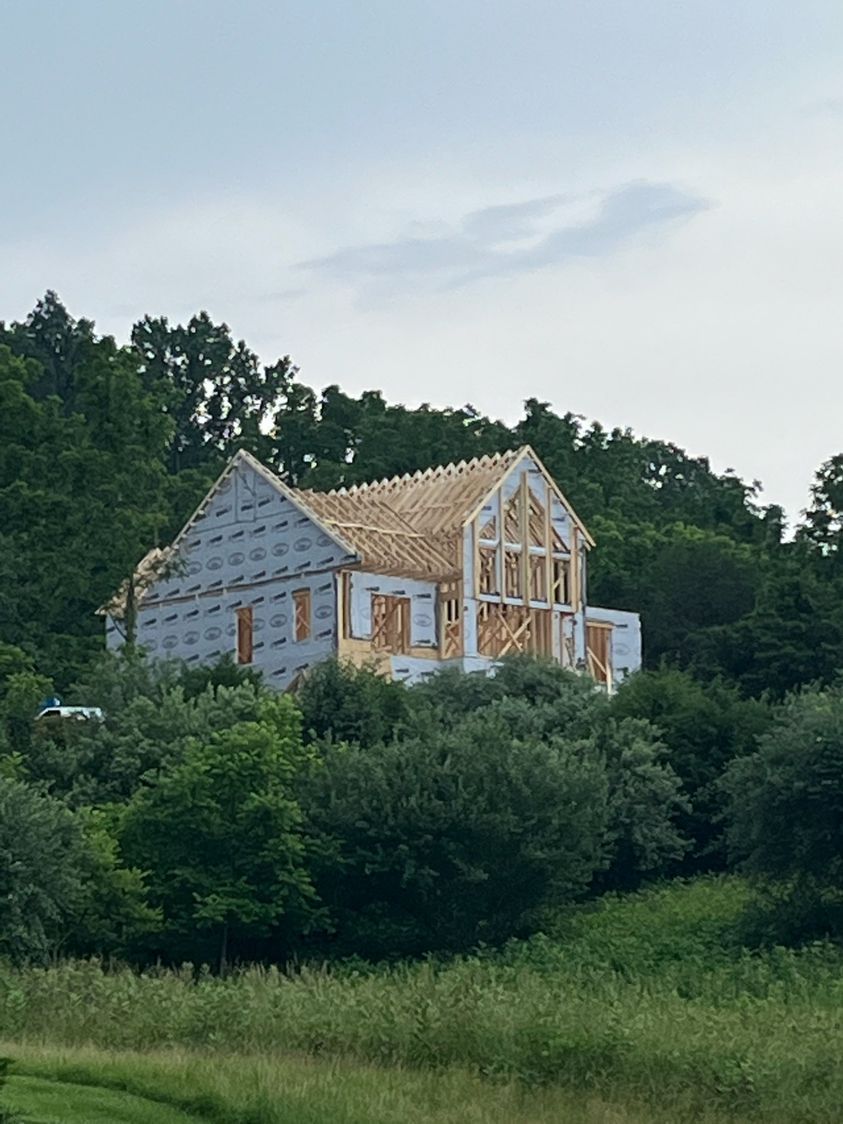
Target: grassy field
[89,1086]
[37,1100]
[644,1002]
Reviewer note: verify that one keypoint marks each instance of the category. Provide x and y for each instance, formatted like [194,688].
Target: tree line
[105,448]
[211,820]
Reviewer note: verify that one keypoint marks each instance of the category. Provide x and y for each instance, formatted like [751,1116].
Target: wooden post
[548,546]
[442,619]
[499,559]
[524,534]
[342,629]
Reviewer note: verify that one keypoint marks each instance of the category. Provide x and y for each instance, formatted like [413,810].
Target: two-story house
[460,564]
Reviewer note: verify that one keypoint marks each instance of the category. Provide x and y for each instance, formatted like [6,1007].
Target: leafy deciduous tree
[220,834]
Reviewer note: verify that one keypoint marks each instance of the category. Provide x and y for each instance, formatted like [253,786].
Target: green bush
[220,835]
[151,715]
[58,874]
[785,816]
[356,705]
[536,699]
[452,837]
[704,726]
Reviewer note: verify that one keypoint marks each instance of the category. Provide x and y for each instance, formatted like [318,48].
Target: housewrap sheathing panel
[249,546]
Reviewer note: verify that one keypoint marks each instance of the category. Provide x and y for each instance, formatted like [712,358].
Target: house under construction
[459,565]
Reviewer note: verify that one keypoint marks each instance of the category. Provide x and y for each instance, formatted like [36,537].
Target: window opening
[301,603]
[245,634]
[561,581]
[512,574]
[390,623]
[488,570]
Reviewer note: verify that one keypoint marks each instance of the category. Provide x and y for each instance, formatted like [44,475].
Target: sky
[631,209]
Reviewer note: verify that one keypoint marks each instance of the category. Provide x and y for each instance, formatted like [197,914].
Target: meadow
[643,1007]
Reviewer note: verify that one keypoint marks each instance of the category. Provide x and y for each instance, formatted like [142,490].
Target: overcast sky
[630,208]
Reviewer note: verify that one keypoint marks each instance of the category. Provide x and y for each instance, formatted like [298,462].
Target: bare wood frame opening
[561,581]
[245,635]
[532,561]
[302,614]
[450,620]
[598,643]
[489,570]
[390,623]
[504,630]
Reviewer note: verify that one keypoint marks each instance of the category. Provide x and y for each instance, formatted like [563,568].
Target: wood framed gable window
[538,577]
[301,607]
[245,634]
[561,581]
[488,570]
[512,583]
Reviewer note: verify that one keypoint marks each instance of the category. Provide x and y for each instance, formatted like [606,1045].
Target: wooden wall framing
[504,630]
[521,590]
[519,557]
[450,620]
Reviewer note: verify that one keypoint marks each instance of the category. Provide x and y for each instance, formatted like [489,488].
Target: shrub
[452,837]
[343,703]
[220,834]
[53,868]
[785,813]
[704,726]
[150,717]
[537,699]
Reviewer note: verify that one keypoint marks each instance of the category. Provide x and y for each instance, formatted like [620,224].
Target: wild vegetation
[485,846]
[503,898]
[81,1085]
[646,1000]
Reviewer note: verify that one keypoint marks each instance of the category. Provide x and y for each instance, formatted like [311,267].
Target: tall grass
[644,999]
[267,1089]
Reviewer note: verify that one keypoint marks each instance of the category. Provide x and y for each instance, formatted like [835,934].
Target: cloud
[481,245]
[509,220]
[622,214]
[409,256]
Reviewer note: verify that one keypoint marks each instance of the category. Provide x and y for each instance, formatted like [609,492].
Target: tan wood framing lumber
[524,533]
[534,521]
[520,455]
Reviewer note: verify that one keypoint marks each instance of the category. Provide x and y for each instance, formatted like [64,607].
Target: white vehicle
[79,712]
